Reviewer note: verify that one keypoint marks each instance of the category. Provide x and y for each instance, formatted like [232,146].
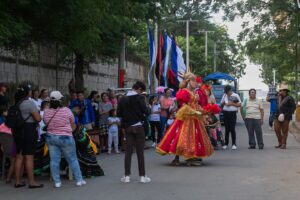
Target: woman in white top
[231,102]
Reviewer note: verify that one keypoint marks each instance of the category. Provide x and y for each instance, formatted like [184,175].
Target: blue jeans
[65,145]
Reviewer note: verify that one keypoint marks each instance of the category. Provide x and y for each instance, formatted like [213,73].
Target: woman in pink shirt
[60,123]
[166,103]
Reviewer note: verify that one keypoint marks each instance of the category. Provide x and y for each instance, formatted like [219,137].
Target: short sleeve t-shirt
[60,123]
[154,117]
[27,107]
[253,108]
[37,102]
[114,127]
[235,98]
[104,107]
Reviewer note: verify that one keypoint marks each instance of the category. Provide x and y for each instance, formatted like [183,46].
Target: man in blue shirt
[86,115]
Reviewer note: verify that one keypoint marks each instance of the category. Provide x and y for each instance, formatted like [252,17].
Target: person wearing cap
[284,114]
[26,138]
[60,124]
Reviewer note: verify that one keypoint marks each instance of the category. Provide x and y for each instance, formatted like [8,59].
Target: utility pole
[188,41]
[206,42]
[274,77]
[155,82]
[215,57]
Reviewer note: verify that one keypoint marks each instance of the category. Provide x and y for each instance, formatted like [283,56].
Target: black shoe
[252,147]
[20,185]
[261,147]
[35,186]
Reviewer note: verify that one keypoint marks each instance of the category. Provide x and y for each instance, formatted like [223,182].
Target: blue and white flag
[152,53]
[167,47]
[178,65]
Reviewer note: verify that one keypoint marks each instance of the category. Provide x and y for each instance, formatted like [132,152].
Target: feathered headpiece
[205,87]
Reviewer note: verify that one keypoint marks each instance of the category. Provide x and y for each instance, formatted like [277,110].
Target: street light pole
[188,41]
[188,44]
[274,77]
[206,42]
[215,57]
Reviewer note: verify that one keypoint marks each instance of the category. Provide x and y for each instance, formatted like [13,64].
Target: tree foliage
[271,35]
[96,28]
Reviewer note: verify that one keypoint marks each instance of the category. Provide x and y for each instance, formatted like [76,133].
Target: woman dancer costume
[187,136]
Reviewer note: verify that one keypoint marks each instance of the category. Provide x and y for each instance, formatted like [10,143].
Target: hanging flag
[152,54]
[181,67]
[167,48]
[159,60]
[178,65]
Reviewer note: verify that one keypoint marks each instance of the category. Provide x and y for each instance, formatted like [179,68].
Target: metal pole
[156,50]
[206,32]
[215,55]
[296,81]
[188,45]
[274,77]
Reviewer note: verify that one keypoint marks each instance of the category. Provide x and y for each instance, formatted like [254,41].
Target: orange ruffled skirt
[187,136]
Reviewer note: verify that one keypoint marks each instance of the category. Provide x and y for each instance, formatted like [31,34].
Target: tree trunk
[79,64]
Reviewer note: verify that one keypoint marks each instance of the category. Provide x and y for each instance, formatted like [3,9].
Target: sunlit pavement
[228,175]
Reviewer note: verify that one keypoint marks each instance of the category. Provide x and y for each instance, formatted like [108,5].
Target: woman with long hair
[187,136]
[26,137]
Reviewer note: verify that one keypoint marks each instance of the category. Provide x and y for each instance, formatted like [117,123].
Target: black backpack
[14,119]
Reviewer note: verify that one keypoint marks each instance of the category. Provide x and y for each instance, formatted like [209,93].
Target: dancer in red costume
[187,136]
[203,100]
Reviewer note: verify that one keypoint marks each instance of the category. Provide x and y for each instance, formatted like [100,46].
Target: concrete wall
[99,77]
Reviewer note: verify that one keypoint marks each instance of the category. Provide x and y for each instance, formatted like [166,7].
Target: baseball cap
[56,95]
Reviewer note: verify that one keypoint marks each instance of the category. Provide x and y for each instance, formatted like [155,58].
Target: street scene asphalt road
[228,175]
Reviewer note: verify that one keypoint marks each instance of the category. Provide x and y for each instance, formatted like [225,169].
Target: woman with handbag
[286,108]
[60,123]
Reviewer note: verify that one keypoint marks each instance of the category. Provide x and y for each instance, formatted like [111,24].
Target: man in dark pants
[133,111]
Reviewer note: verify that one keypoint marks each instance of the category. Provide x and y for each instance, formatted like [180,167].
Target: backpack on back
[14,119]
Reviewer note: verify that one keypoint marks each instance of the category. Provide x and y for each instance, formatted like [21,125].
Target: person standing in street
[284,114]
[253,114]
[231,102]
[60,124]
[132,110]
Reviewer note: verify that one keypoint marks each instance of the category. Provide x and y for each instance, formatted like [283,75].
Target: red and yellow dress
[187,136]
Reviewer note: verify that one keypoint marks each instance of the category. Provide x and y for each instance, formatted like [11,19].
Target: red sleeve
[203,99]
[183,96]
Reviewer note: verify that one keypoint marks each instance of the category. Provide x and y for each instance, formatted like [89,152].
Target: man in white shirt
[231,102]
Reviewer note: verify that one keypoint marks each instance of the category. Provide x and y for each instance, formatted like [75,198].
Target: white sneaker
[154,145]
[125,179]
[80,183]
[145,179]
[57,185]
[224,147]
[234,147]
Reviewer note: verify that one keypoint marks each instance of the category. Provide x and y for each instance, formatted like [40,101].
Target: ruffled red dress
[187,136]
